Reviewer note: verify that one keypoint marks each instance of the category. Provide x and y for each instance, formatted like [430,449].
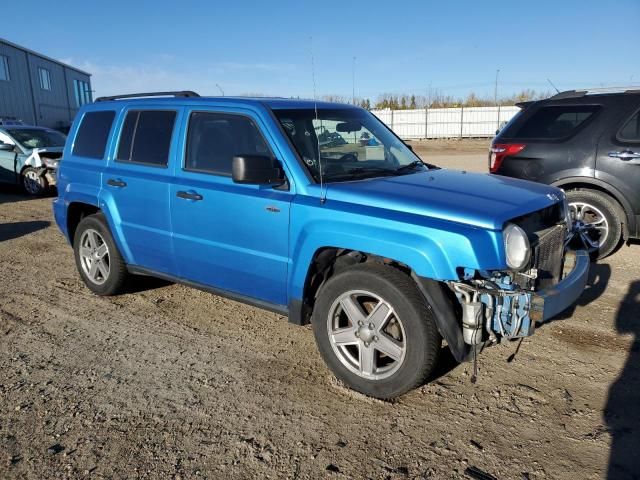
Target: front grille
[548,252]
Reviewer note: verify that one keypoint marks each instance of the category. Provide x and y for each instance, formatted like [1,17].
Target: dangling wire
[315,106]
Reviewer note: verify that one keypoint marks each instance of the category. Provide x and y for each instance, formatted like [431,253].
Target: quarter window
[146,137]
[631,130]
[556,122]
[214,139]
[91,140]
[45,78]
[4,68]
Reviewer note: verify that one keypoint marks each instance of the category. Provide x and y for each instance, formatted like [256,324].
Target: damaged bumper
[548,303]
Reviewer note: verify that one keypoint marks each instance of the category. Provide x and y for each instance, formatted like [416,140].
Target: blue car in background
[29,156]
[383,254]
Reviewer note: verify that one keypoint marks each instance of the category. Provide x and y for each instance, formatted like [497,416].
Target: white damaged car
[29,156]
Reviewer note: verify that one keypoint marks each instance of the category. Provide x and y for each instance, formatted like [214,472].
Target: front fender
[431,248]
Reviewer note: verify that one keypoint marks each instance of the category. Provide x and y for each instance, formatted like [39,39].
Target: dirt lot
[170,382]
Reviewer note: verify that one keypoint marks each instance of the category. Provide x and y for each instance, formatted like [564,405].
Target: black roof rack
[594,91]
[183,93]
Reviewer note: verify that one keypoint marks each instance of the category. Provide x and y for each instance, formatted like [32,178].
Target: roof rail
[183,93]
[595,91]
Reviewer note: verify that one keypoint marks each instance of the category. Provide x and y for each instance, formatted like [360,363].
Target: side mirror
[6,147]
[256,170]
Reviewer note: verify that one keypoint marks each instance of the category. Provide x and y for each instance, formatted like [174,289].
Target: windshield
[350,143]
[37,137]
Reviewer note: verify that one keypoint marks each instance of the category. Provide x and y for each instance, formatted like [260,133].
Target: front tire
[33,183]
[597,222]
[98,259]
[375,331]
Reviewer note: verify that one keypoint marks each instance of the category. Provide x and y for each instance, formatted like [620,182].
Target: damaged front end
[46,162]
[507,304]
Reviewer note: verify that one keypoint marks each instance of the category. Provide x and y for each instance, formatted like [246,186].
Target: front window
[346,144]
[37,138]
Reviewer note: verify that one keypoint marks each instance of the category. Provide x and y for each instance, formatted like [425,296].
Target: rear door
[229,236]
[618,160]
[138,181]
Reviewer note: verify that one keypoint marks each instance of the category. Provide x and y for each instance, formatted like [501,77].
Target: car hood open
[481,200]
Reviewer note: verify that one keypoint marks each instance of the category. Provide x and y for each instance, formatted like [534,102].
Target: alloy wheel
[590,226]
[94,256]
[366,334]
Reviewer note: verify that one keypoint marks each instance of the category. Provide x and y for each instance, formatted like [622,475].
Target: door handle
[626,155]
[189,195]
[116,182]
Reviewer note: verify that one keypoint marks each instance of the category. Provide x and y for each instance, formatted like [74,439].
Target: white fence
[446,122]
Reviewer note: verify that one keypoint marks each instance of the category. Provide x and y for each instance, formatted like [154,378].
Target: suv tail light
[499,151]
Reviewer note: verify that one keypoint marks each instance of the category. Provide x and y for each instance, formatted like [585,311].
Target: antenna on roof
[554,87]
[315,106]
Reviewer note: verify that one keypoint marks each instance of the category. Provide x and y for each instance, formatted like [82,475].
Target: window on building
[4,68]
[45,78]
[91,140]
[215,138]
[82,92]
[146,137]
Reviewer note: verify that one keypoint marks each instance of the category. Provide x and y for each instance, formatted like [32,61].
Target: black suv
[586,142]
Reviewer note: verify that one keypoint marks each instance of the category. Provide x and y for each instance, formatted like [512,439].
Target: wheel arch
[582,183]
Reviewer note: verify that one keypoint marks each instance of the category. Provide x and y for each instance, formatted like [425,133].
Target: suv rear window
[92,136]
[556,122]
[146,137]
[631,130]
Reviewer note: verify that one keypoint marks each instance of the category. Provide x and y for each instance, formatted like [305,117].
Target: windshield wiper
[410,166]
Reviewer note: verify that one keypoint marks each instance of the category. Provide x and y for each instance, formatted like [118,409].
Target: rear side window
[215,138]
[556,122]
[631,130]
[92,136]
[146,137]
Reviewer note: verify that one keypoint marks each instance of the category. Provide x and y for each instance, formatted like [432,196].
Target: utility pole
[353,81]
[495,91]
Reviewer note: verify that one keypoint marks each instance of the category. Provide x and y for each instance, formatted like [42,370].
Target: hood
[47,150]
[477,199]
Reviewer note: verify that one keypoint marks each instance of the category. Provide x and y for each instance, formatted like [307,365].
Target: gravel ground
[170,382]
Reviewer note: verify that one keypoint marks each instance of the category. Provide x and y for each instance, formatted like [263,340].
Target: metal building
[40,90]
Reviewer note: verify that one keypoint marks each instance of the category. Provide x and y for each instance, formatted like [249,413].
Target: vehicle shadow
[9,231]
[622,410]
[446,363]
[142,283]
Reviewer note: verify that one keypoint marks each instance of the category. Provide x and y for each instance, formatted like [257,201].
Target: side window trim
[622,126]
[121,123]
[217,111]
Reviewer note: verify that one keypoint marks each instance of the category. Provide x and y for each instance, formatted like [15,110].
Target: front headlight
[50,163]
[516,246]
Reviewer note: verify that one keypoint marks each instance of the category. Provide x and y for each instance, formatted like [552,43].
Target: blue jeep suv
[383,254]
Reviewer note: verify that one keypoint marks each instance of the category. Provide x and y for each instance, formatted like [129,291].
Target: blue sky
[264,47]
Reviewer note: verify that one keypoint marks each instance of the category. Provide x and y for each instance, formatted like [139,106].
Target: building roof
[32,52]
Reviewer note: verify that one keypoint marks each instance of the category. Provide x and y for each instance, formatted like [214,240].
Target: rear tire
[98,259]
[600,223]
[375,331]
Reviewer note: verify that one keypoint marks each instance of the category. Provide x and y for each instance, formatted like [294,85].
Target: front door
[7,161]
[229,236]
